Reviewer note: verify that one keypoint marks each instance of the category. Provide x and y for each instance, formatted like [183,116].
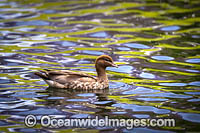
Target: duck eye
[107,60]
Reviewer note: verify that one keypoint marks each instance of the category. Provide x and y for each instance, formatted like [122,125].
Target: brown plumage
[77,80]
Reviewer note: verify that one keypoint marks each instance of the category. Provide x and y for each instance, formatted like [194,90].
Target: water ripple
[155,45]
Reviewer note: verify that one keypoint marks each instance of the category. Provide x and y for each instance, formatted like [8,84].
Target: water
[155,44]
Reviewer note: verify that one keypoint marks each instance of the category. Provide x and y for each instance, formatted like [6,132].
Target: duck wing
[64,76]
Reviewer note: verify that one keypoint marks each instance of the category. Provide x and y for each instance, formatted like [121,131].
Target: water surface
[155,44]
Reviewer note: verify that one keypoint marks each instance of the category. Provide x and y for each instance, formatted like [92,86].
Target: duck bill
[114,65]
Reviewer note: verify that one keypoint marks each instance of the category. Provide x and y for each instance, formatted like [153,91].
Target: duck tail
[42,75]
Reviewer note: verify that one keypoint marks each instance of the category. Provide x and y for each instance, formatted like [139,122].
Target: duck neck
[101,74]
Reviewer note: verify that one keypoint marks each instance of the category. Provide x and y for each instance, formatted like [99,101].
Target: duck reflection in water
[79,101]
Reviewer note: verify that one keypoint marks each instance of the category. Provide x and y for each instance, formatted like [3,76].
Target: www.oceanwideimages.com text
[52,122]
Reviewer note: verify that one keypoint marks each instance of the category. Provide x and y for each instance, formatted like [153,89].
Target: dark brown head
[105,61]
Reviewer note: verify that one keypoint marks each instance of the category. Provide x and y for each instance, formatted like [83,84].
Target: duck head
[104,61]
[101,63]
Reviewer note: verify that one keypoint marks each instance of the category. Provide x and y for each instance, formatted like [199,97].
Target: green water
[155,44]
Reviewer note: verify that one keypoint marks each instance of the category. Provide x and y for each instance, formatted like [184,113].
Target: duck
[67,79]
